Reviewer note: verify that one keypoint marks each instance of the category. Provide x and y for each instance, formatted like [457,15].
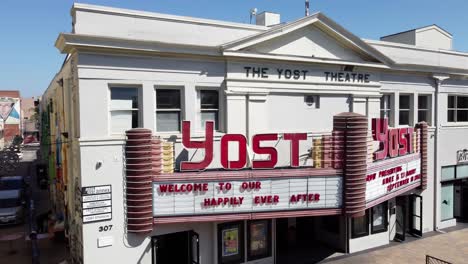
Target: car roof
[9,194]
[11,178]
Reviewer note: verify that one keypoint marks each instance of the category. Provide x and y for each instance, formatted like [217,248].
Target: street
[14,248]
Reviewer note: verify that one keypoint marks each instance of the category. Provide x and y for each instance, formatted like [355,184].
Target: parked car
[13,183]
[11,207]
[29,139]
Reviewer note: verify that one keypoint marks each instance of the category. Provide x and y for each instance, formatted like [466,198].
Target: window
[168,110]
[446,198]
[457,108]
[448,173]
[259,239]
[360,226]
[462,171]
[209,107]
[405,110]
[385,106]
[231,242]
[379,218]
[424,113]
[124,109]
[454,172]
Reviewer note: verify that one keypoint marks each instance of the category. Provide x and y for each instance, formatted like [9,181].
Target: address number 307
[105,228]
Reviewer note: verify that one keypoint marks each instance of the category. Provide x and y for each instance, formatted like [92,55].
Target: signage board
[462,156]
[299,74]
[246,196]
[96,203]
[386,179]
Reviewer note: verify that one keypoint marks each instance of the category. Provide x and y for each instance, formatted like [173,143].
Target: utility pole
[307,8]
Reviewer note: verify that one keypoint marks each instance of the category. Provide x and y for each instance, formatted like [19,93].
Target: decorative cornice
[277,57]
[67,42]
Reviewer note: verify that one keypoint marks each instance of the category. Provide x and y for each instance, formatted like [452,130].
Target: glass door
[181,247]
[400,221]
[415,217]
[194,248]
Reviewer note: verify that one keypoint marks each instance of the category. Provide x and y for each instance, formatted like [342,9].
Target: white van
[11,207]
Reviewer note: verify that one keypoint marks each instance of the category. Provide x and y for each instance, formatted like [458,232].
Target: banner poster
[258,238]
[230,240]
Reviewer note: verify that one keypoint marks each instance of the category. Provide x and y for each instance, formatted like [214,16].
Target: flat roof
[418,28]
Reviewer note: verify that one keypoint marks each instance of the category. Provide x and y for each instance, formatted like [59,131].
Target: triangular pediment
[315,36]
[309,41]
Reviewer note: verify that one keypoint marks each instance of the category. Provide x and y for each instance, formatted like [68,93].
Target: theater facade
[188,140]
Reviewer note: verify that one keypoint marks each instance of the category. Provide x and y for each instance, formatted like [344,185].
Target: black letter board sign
[96,203]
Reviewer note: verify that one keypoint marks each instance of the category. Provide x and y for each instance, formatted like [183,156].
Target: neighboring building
[287,151]
[10,113]
[30,120]
[2,139]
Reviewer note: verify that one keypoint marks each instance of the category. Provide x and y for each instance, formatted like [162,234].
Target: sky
[29,28]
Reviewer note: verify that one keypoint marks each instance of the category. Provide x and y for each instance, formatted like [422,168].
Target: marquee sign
[386,179]
[217,197]
[396,168]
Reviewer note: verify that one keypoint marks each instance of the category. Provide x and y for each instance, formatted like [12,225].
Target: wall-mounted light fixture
[348,68]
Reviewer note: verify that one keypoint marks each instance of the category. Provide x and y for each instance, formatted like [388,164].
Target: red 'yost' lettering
[271,162]
[206,145]
[393,142]
[241,141]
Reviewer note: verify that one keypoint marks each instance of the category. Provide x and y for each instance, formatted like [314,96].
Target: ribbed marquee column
[354,128]
[138,167]
[422,127]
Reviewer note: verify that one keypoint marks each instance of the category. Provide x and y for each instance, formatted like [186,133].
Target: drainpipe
[438,78]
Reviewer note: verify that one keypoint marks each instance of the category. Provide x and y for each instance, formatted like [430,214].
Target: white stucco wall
[366,242]
[100,72]
[307,42]
[433,38]
[289,112]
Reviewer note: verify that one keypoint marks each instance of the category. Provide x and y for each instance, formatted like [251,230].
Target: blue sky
[29,28]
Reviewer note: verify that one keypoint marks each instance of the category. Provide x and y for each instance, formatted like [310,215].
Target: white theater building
[280,84]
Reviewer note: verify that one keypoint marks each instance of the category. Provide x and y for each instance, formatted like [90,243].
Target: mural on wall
[10,110]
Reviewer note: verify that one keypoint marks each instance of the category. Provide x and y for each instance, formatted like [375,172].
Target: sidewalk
[451,247]
[50,252]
